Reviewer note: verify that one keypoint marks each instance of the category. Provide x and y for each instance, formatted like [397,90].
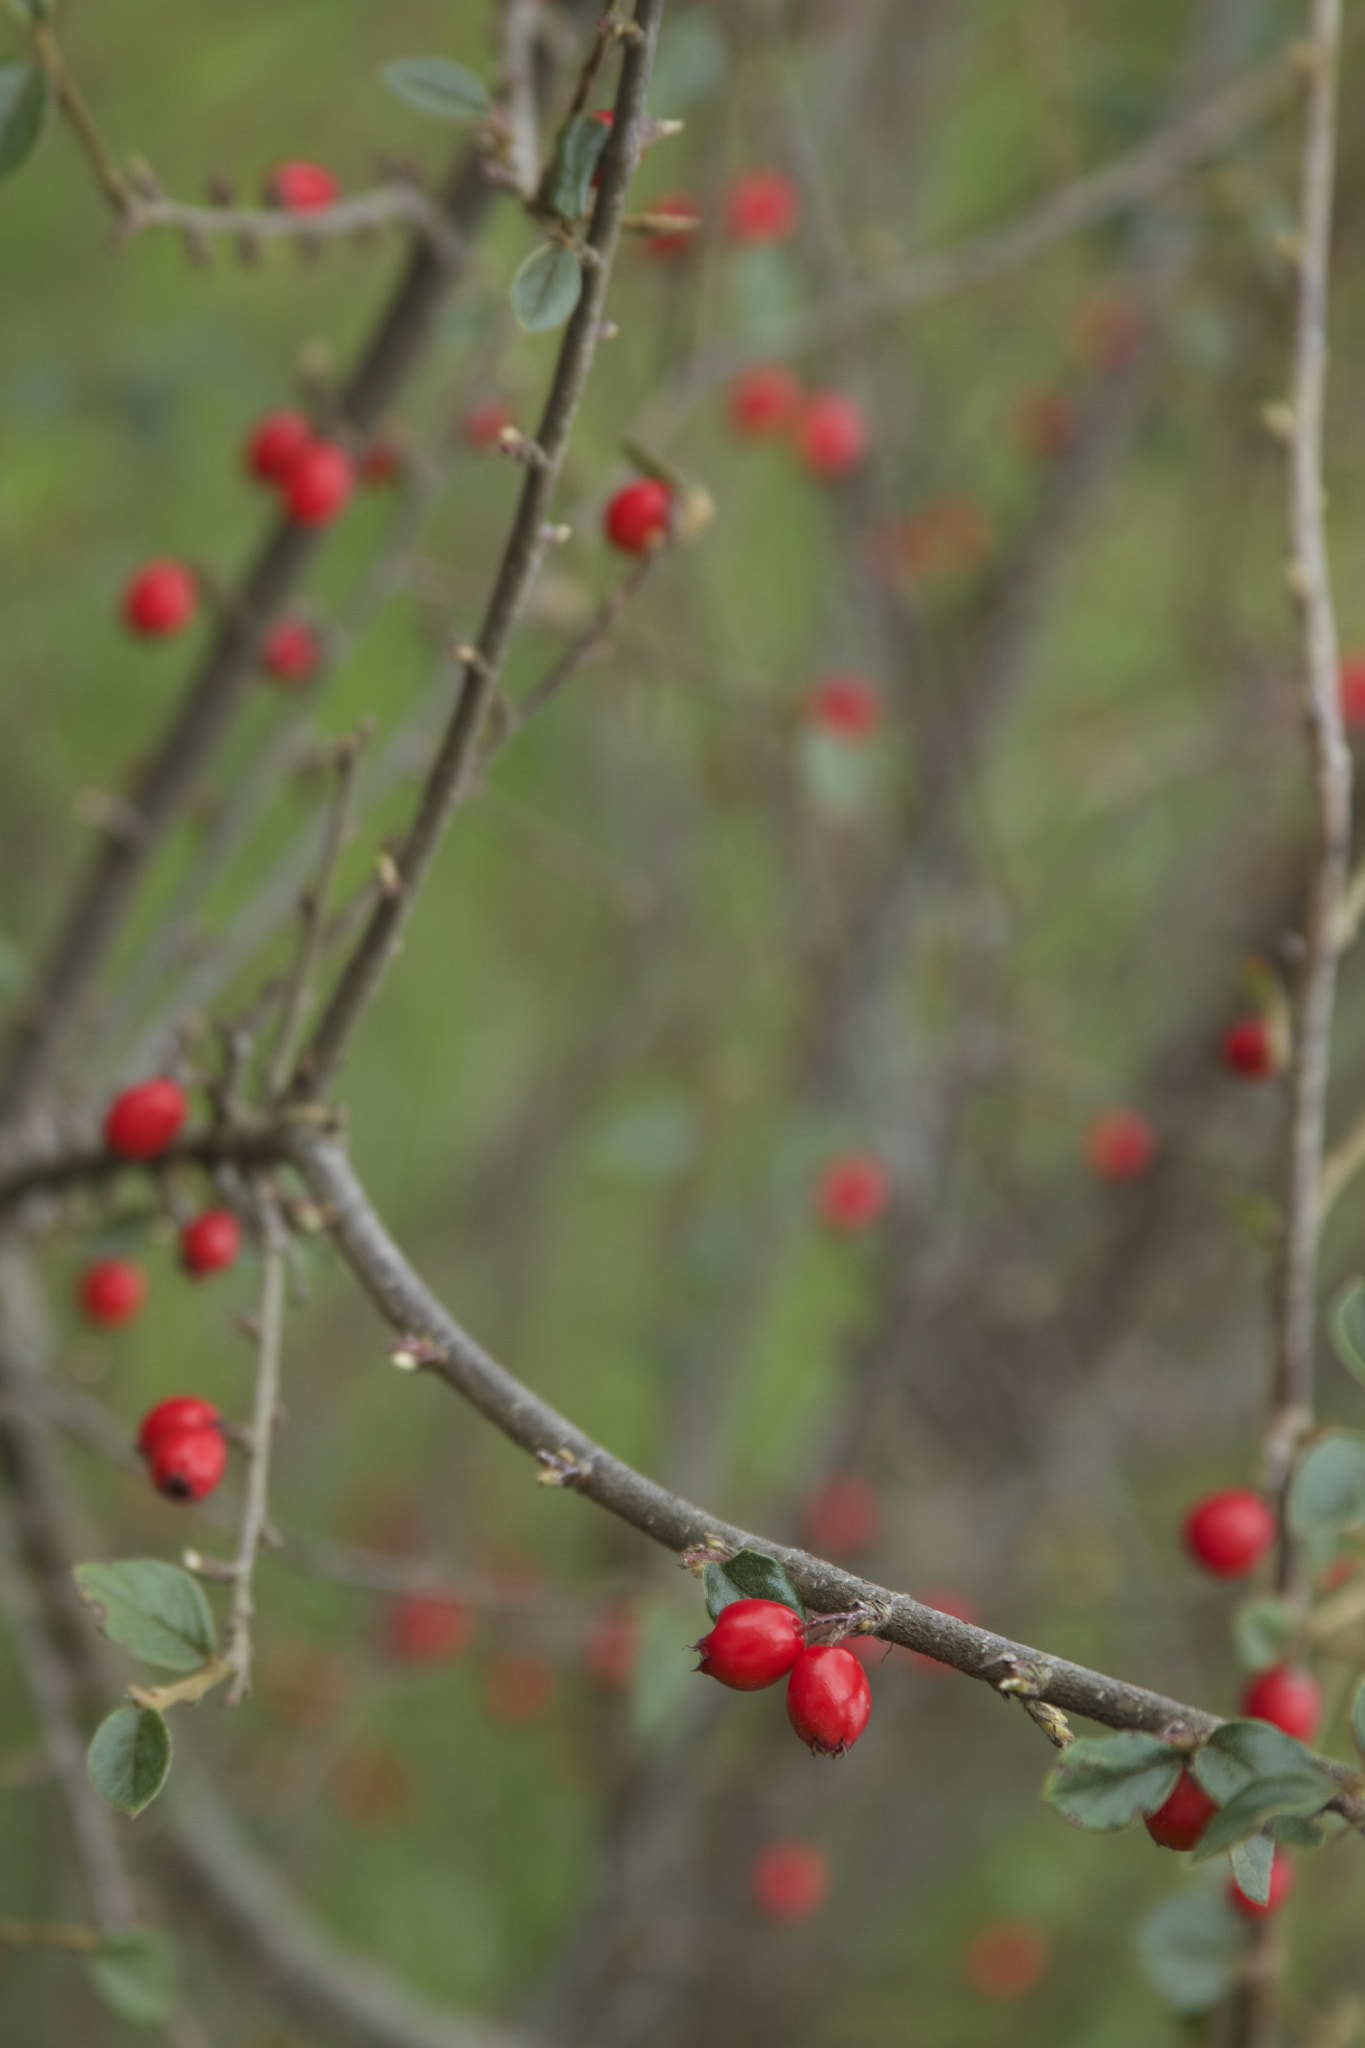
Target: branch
[246,1145]
[525,549]
[267,1400]
[299,990]
[407,204]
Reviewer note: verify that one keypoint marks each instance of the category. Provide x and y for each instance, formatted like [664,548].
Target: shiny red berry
[301,187]
[1183,1816]
[828,1699]
[175,1416]
[318,484]
[852,1192]
[1248,1049]
[831,435]
[1229,1533]
[845,706]
[1281,1885]
[161,599]
[427,1628]
[1120,1145]
[188,1464]
[142,1121]
[275,444]
[753,1644]
[209,1242]
[765,400]
[291,652]
[112,1291]
[1286,1697]
[636,519]
[672,242]
[762,206]
[789,1880]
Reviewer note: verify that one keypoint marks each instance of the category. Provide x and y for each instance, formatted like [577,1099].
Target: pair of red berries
[113,1290]
[756,1642]
[828,427]
[315,477]
[183,1444]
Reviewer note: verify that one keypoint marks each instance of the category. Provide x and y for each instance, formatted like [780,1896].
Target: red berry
[519,1688]
[188,1463]
[161,599]
[1045,424]
[636,519]
[112,1291]
[275,444]
[209,1242]
[1353,688]
[753,1643]
[482,426]
[1247,1049]
[789,1880]
[318,483]
[762,206]
[291,651]
[828,1699]
[612,1650]
[142,1121]
[300,187]
[1229,1533]
[1107,331]
[852,1192]
[427,1628]
[848,707]
[174,1417]
[1182,1817]
[607,118]
[843,1517]
[831,436]
[380,463]
[1120,1145]
[1281,1885]
[947,1602]
[671,242]
[1287,1698]
[1006,1960]
[765,400]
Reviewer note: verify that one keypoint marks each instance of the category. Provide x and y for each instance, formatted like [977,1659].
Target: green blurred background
[677,953]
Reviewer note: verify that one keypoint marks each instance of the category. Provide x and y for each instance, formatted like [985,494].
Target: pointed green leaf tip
[154,1610]
[568,189]
[1107,1782]
[546,288]
[438,87]
[129,1757]
[749,1575]
[24,95]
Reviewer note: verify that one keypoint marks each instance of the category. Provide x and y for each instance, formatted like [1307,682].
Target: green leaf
[719,1591]
[762,1578]
[24,94]
[1251,1861]
[1106,1782]
[1262,1800]
[156,1611]
[1190,1948]
[690,64]
[546,288]
[136,1975]
[1264,1630]
[436,86]
[129,1756]
[1294,1831]
[1348,1329]
[1241,1751]
[1328,1487]
[568,189]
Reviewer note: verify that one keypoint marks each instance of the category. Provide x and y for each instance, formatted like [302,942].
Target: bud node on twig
[561,1468]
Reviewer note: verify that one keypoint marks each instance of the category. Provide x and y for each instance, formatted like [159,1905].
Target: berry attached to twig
[142,1121]
[636,519]
[175,1416]
[317,485]
[753,1644]
[302,187]
[828,1699]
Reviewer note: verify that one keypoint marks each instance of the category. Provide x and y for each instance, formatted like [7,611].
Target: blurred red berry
[161,599]
[1107,331]
[373,1785]
[1353,688]
[318,484]
[380,463]
[1247,1048]
[765,400]
[112,1291]
[426,1628]
[673,242]
[1045,423]
[789,1880]
[1183,1816]
[1229,1533]
[187,1464]
[1120,1144]
[852,1192]
[846,706]
[173,1417]
[1281,1885]
[302,187]
[844,1517]
[1286,1697]
[482,425]
[946,1601]
[828,1699]
[762,206]
[142,1121]
[291,651]
[636,519]
[752,1643]
[519,1687]
[1005,1961]
[275,444]
[831,434]
[209,1242]
[612,1650]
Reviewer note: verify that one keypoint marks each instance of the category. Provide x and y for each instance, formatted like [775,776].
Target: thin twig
[1340,1168]
[299,989]
[264,1405]
[108,177]
[589,643]
[384,205]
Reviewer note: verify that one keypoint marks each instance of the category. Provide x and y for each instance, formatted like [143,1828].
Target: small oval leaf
[1190,1948]
[1251,1863]
[719,1591]
[439,87]
[568,189]
[152,1609]
[1242,1751]
[546,288]
[1328,1487]
[1106,1782]
[1348,1329]
[758,1577]
[136,1975]
[24,95]
[129,1756]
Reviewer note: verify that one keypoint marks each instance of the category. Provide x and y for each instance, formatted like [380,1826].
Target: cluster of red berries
[756,1642]
[314,476]
[183,1444]
[828,428]
[1229,1534]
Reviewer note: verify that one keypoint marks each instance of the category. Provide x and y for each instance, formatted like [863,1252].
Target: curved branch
[245,1145]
